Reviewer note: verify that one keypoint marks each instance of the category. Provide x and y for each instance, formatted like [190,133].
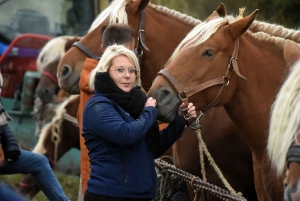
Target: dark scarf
[132,102]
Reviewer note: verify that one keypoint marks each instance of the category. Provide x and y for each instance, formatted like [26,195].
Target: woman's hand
[189,111]
[150,102]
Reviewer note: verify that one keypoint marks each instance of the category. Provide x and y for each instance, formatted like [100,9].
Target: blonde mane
[203,31]
[116,12]
[177,15]
[285,118]
[59,111]
[52,51]
[276,30]
[199,34]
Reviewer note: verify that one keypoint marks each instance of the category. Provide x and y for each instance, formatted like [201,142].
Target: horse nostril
[165,96]
[66,71]
[285,184]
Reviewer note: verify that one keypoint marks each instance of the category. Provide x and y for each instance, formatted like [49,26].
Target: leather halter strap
[224,81]
[140,42]
[293,154]
[141,38]
[50,76]
[86,50]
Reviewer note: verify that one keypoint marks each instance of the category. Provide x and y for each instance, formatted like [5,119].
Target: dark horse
[57,138]
[163,31]
[222,63]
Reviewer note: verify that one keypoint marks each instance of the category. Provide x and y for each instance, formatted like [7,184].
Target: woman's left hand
[189,111]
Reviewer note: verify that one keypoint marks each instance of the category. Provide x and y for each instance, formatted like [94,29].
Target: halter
[224,81]
[138,51]
[50,76]
[293,154]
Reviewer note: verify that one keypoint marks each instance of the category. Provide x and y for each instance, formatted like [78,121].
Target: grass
[69,183]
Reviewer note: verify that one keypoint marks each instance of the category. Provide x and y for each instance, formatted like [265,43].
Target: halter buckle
[225,78]
[182,96]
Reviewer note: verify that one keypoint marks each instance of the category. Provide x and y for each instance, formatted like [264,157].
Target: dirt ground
[69,183]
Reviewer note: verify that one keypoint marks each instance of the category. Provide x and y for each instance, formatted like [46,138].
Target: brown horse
[47,92]
[164,29]
[47,62]
[57,138]
[258,68]
[283,142]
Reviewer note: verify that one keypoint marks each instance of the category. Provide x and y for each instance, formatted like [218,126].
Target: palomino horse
[57,138]
[163,31]
[283,142]
[47,87]
[257,68]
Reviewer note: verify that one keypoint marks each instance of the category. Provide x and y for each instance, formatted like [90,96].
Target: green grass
[69,183]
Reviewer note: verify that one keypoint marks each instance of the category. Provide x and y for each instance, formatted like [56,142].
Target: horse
[57,138]
[222,136]
[246,90]
[47,62]
[47,87]
[283,141]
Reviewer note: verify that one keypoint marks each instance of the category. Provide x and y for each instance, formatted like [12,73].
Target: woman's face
[123,73]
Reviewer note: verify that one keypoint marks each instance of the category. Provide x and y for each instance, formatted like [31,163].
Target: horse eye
[208,53]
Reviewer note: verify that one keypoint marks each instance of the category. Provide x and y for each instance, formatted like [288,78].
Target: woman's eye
[121,70]
[208,53]
[131,70]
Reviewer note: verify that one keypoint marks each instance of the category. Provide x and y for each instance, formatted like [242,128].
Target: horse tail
[285,119]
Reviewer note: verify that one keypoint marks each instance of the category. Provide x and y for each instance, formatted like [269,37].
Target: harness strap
[141,39]
[86,50]
[142,30]
[293,154]
[50,76]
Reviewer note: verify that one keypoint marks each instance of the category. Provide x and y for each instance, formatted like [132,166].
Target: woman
[120,130]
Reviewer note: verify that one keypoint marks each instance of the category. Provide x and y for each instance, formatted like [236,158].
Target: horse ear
[137,6]
[214,15]
[221,10]
[239,27]
[291,52]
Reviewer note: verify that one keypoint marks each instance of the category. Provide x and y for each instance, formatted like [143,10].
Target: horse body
[164,29]
[203,56]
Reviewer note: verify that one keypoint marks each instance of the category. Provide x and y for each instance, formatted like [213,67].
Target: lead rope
[55,137]
[203,149]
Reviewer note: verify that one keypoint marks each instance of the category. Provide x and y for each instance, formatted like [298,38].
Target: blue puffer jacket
[122,165]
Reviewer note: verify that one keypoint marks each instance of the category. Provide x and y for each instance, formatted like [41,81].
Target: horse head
[47,65]
[284,138]
[204,59]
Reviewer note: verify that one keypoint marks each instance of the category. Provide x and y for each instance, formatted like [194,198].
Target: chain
[198,183]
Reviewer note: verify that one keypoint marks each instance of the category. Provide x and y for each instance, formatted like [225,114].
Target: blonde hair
[105,62]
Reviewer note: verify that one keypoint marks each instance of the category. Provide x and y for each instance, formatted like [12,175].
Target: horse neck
[251,104]
[161,39]
[94,36]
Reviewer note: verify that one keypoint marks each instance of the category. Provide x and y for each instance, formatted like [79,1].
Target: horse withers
[214,66]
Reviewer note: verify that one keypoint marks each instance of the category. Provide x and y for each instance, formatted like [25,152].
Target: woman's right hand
[150,102]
